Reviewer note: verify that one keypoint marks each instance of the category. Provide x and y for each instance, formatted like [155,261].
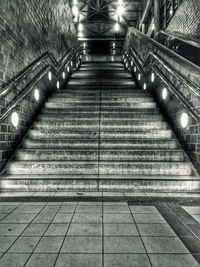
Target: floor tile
[87,218]
[155,230]
[12,229]
[149,218]
[118,218]
[13,260]
[90,203]
[117,203]
[69,203]
[116,209]
[50,209]
[126,260]
[88,229]
[143,209]
[175,260]
[164,245]
[43,218]
[82,244]
[6,242]
[57,229]
[24,244]
[18,218]
[118,229]
[67,209]
[79,260]
[89,209]
[62,218]
[123,244]
[28,209]
[44,260]
[49,244]
[35,229]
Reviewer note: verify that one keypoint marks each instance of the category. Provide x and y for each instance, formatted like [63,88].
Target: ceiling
[97,19]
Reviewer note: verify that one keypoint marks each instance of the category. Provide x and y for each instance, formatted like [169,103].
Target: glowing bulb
[117,27]
[58,85]
[120,10]
[71,63]
[113,45]
[139,76]
[184,120]
[50,76]
[67,68]
[135,69]
[80,27]
[171,11]
[63,75]
[75,11]
[15,119]
[152,77]
[112,58]
[131,62]
[84,45]
[126,64]
[164,93]
[37,95]
[153,27]
[144,86]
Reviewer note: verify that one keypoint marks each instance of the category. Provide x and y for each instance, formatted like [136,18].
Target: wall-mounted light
[84,45]
[153,26]
[131,63]
[171,11]
[113,45]
[49,75]
[36,95]
[135,69]
[63,75]
[80,27]
[184,120]
[117,27]
[58,85]
[127,64]
[152,77]
[15,119]
[75,11]
[112,58]
[71,64]
[67,68]
[120,10]
[144,86]
[164,93]
[139,77]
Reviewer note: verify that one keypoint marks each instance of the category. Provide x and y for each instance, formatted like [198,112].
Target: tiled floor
[92,234]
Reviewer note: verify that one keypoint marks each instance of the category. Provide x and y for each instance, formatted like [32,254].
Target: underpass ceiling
[98,18]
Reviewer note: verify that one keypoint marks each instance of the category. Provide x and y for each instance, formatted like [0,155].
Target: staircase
[100,133]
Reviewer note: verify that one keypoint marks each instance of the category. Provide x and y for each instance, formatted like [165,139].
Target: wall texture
[186,21]
[28,28]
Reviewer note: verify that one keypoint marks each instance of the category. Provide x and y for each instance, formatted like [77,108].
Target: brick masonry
[190,137]
[27,30]
[186,21]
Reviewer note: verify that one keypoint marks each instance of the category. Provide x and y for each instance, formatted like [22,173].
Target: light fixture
[120,10]
[171,11]
[75,11]
[63,75]
[144,86]
[184,120]
[113,45]
[153,26]
[71,63]
[84,52]
[80,27]
[36,95]
[114,52]
[152,77]
[67,68]
[131,62]
[50,75]
[164,93]
[84,45]
[139,77]
[117,27]
[127,64]
[58,85]
[135,69]
[15,119]
[112,58]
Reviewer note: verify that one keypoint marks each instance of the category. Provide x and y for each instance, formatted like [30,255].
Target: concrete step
[126,144]
[104,155]
[92,183]
[103,168]
[115,126]
[103,106]
[113,82]
[88,133]
[89,74]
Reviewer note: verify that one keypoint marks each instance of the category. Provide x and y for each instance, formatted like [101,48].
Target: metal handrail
[146,68]
[30,68]
[63,62]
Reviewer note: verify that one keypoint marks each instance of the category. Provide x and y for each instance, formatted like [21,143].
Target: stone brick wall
[186,21]
[190,136]
[28,28]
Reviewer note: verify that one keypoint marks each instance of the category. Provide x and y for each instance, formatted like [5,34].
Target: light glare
[15,119]
[184,120]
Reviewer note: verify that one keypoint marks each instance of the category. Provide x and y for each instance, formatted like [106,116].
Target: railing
[169,67]
[71,59]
